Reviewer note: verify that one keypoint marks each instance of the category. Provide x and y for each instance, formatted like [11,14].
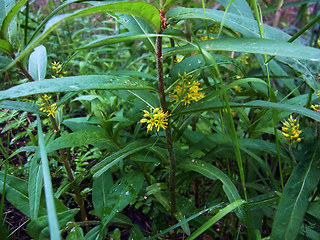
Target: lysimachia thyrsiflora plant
[161,119]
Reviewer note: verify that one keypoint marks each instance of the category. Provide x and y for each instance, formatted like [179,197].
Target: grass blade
[51,210]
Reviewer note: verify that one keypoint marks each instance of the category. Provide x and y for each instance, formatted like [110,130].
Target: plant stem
[70,175]
[168,134]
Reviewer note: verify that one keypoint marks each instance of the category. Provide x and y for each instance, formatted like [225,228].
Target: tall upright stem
[168,134]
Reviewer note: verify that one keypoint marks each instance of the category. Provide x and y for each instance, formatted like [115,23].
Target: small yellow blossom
[57,68]
[316,108]
[204,38]
[155,118]
[187,90]
[46,106]
[237,88]
[290,130]
[244,59]
[178,59]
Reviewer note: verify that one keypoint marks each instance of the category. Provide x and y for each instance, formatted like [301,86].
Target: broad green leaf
[196,63]
[251,45]
[295,197]
[38,63]
[10,15]
[38,228]
[212,172]
[6,47]
[76,234]
[51,209]
[239,7]
[144,10]
[116,157]
[100,191]
[74,84]
[35,186]
[5,7]
[17,193]
[123,192]
[215,105]
[79,138]
[216,218]
[303,69]
[20,106]
[138,26]
[247,26]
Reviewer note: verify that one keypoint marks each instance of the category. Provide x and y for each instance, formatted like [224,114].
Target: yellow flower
[178,59]
[187,90]
[57,67]
[204,38]
[237,88]
[316,108]
[290,130]
[155,118]
[46,106]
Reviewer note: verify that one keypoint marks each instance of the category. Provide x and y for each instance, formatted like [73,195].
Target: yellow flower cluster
[178,59]
[155,118]
[237,88]
[204,38]
[57,67]
[187,90]
[46,107]
[290,130]
[316,108]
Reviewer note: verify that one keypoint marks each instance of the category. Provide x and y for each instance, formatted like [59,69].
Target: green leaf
[239,7]
[144,10]
[75,84]
[5,7]
[116,157]
[38,63]
[6,47]
[212,172]
[51,209]
[10,15]
[17,193]
[216,218]
[138,26]
[20,106]
[38,228]
[251,45]
[247,26]
[76,234]
[122,193]
[215,105]
[79,138]
[100,190]
[35,186]
[295,197]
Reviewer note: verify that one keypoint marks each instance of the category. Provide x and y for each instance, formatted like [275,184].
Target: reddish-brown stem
[168,134]
[70,175]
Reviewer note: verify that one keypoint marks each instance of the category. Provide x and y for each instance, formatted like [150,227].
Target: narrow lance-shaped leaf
[10,15]
[294,200]
[75,84]
[252,45]
[144,10]
[215,105]
[51,209]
